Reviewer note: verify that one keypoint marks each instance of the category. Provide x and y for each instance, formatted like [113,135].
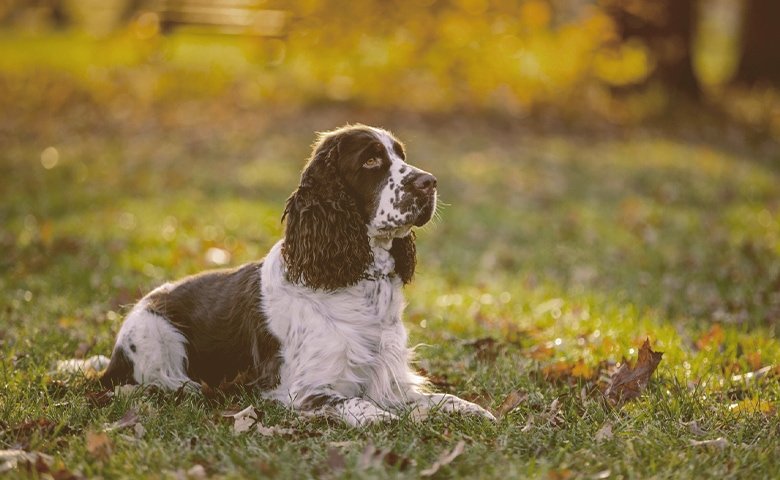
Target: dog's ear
[405,255]
[326,240]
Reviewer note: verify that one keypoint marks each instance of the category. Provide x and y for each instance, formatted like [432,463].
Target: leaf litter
[249,419]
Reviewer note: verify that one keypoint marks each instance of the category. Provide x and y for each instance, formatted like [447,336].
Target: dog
[317,323]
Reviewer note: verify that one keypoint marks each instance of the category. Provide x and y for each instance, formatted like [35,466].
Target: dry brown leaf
[629,382]
[244,420]
[542,351]
[11,459]
[562,474]
[510,403]
[99,445]
[444,459]
[554,414]
[129,419]
[712,338]
[248,419]
[582,370]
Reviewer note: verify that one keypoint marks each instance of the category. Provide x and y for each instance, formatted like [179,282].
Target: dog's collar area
[378,276]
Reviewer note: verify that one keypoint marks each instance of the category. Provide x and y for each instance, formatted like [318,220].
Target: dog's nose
[425,182]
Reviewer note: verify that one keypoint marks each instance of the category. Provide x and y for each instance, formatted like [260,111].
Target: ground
[556,253]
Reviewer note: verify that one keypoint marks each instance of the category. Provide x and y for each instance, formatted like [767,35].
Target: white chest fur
[349,342]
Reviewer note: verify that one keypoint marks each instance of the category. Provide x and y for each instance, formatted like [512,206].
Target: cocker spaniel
[317,324]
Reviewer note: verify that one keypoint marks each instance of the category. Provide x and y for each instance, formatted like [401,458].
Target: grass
[567,247]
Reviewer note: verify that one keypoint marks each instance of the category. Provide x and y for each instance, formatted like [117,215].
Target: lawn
[558,251]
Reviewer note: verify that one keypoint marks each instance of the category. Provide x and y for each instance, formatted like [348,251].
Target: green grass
[564,245]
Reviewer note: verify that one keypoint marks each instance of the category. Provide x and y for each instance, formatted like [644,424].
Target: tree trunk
[759,61]
[666,27]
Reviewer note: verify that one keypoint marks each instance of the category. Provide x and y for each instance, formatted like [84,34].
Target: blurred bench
[231,17]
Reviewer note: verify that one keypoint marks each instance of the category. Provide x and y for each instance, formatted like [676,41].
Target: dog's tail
[118,370]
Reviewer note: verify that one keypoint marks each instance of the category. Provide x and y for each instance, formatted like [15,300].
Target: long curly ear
[405,255]
[326,240]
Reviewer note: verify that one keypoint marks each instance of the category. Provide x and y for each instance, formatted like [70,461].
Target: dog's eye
[372,163]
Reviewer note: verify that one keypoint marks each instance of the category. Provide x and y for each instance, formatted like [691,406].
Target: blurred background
[623,60]
[614,151]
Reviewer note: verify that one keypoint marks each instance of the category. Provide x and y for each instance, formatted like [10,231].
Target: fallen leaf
[562,474]
[248,418]
[65,474]
[629,382]
[129,419]
[392,459]
[719,443]
[752,405]
[11,459]
[444,459]
[604,433]
[554,414]
[754,360]
[712,338]
[244,420]
[99,445]
[558,371]
[139,431]
[510,403]
[582,370]
[542,351]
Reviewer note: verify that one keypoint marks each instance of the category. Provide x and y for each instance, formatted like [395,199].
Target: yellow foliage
[624,64]
[752,405]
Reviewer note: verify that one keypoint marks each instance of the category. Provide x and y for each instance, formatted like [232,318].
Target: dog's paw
[472,409]
[359,413]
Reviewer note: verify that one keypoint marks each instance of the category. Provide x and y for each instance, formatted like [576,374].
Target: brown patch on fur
[119,370]
[404,253]
[326,240]
[219,314]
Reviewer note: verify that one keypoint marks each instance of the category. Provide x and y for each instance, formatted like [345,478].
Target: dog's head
[355,187]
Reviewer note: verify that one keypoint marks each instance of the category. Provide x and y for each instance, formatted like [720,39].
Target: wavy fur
[326,240]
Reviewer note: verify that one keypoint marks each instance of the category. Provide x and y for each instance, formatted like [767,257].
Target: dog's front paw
[359,413]
[469,408]
[452,404]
